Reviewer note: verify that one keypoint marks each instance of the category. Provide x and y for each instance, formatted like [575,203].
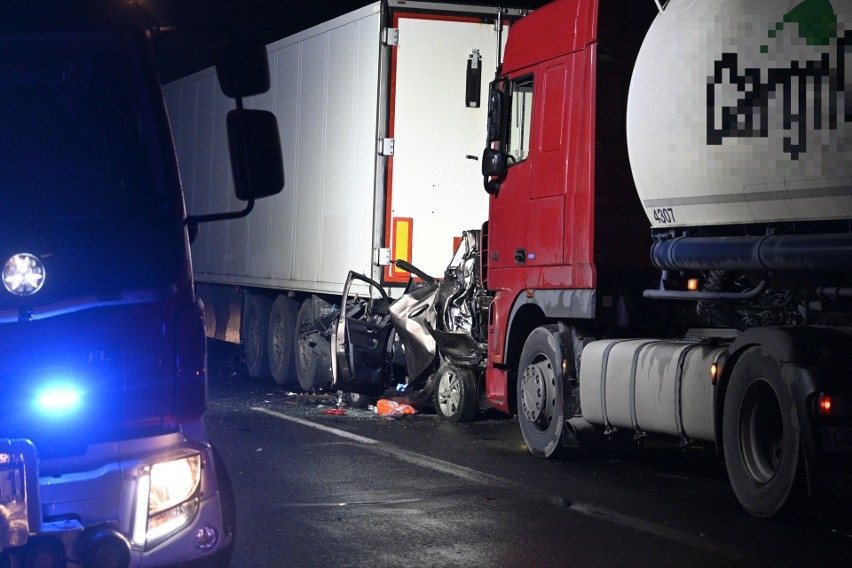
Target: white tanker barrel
[739,112]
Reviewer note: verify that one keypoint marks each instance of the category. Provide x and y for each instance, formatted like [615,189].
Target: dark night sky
[266,20]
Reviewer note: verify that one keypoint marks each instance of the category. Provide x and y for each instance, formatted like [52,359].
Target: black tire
[541,410]
[456,398]
[760,434]
[312,370]
[255,330]
[282,339]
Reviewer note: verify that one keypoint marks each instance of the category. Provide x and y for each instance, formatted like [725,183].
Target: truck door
[540,219]
[547,190]
[438,104]
[509,218]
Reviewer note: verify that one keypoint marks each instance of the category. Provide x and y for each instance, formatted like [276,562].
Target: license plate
[837,439]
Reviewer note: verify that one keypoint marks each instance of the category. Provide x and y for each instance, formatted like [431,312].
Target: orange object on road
[387,407]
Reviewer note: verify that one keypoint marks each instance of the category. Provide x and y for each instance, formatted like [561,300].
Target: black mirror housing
[495,167]
[494,163]
[255,151]
[242,68]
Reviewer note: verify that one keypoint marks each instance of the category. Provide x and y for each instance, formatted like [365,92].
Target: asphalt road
[316,488]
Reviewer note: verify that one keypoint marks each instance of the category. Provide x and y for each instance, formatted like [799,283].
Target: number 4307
[664,216]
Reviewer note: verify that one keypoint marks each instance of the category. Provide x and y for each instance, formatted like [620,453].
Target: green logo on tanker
[795,97]
[816,21]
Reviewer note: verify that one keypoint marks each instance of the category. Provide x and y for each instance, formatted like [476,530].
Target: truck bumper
[151,501]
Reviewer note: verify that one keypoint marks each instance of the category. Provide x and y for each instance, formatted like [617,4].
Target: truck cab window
[520,119]
[76,115]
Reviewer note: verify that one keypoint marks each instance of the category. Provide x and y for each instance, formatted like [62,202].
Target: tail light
[834,405]
[824,404]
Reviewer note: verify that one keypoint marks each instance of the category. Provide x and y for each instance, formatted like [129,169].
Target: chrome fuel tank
[651,386]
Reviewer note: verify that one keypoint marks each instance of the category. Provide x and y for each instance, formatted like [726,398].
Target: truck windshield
[76,132]
[82,180]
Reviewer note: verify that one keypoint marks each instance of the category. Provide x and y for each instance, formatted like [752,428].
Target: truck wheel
[760,434]
[282,341]
[313,370]
[541,411]
[456,399]
[255,331]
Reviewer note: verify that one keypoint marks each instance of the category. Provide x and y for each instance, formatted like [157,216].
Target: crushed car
[428,345]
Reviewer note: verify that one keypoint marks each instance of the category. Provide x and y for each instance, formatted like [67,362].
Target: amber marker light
[692,284]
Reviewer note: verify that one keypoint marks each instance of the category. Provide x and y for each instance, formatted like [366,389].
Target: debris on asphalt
[385,407]
[335,411]
[336,405]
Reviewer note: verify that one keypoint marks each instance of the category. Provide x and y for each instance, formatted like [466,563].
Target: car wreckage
[428,345]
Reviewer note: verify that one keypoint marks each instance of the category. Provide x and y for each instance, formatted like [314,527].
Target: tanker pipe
[767,253]
[749,294]
[834,292]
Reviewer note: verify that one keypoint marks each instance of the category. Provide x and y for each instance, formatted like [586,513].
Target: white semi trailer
[383,112]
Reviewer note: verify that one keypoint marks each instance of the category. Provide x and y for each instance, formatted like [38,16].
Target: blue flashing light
[59,399]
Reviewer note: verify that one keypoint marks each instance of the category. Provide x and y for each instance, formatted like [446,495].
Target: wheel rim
[761,432]
[306,355]
[253,338]
[448,393]
[538,391]
[304,352]
[278,340]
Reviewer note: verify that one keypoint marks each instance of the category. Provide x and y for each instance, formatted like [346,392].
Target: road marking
[482,478]
[435,464]
[347,503]
[309,424]
[650,528]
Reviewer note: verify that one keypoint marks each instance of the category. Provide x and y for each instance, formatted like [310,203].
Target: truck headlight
[23,274]
[166,498]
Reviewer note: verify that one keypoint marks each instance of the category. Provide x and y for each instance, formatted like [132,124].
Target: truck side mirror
[242,68]
[495,166]
[255,151]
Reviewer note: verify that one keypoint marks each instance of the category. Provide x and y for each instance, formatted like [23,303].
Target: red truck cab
[565,227]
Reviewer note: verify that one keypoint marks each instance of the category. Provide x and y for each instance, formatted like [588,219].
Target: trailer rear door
[440,70]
